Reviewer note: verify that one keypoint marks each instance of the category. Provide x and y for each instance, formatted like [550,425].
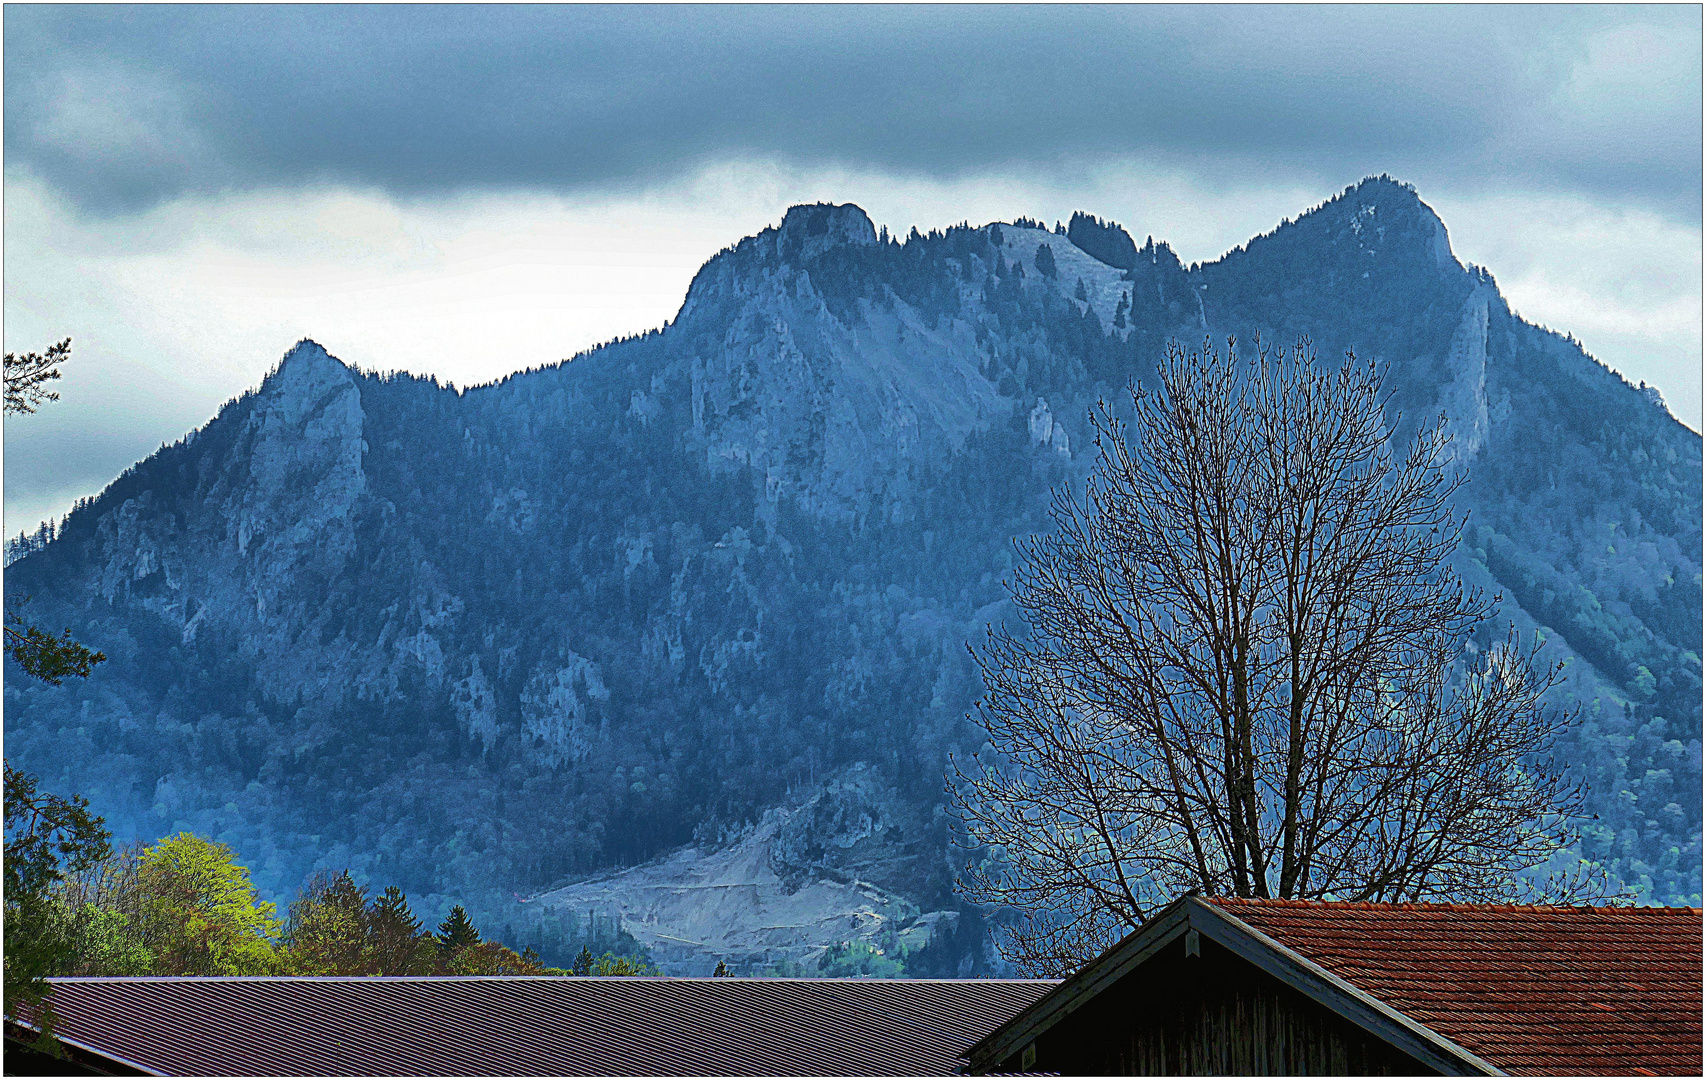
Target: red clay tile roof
[1532,990]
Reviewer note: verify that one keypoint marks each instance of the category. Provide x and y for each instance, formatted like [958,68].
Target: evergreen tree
[1102,240]
[391,911]
[1082,293]
[27,377]
[400,946]
[583,962]
[41,655]
[722,971]
[1045,261]
[456,931]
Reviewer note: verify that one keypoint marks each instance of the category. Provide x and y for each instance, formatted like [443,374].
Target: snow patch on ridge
[1104,284]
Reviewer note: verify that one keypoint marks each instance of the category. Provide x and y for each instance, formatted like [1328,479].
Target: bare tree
[1251,671]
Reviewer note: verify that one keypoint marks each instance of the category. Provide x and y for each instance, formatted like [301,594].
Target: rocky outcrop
[304,460]
[808,231]
[1463,398]
[782,894]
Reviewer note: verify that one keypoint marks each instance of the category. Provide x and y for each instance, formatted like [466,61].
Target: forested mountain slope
[707,591]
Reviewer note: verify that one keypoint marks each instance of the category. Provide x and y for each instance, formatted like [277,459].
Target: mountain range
[666,645]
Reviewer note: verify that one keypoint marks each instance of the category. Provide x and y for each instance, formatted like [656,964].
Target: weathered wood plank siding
[1209,1015]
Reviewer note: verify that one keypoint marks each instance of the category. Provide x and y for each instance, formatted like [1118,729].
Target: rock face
[838,401]
[809,231]
[782,895]
[278,514]
[1464,397]
[676,632]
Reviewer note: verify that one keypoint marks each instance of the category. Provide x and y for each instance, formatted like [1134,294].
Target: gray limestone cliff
[671,639]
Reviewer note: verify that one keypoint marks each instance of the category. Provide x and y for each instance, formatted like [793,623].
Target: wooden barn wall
[1213,1014]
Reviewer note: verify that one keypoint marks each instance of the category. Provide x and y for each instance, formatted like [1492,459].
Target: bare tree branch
[1250,670]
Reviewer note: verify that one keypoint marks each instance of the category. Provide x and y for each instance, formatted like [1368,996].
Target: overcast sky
[469,190]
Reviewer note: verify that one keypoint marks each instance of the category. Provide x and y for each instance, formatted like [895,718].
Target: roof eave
[1162,928]
[93,1051]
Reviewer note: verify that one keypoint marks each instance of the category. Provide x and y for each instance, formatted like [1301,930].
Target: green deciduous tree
[108,942]
[201,912]
[492,958]
[334,929]
[106,904]
[327,929]
[611,964]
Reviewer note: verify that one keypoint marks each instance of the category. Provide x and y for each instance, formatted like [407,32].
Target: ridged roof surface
[1532,990]
[537,1026]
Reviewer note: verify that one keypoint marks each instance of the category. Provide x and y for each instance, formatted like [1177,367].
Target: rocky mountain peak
[806,232]
[1386,216]
[304,382]
[1377,226]
[810,229]
[304,450]
[684,623]
[309,359]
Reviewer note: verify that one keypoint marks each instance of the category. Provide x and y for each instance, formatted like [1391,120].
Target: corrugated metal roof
[540,1026]
[1533,990]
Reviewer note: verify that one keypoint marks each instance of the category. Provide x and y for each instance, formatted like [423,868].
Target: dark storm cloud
[121,106]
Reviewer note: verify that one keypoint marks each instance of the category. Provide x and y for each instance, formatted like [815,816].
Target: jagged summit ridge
[483,643]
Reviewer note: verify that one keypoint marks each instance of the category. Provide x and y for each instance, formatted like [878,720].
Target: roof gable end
[1191,913]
